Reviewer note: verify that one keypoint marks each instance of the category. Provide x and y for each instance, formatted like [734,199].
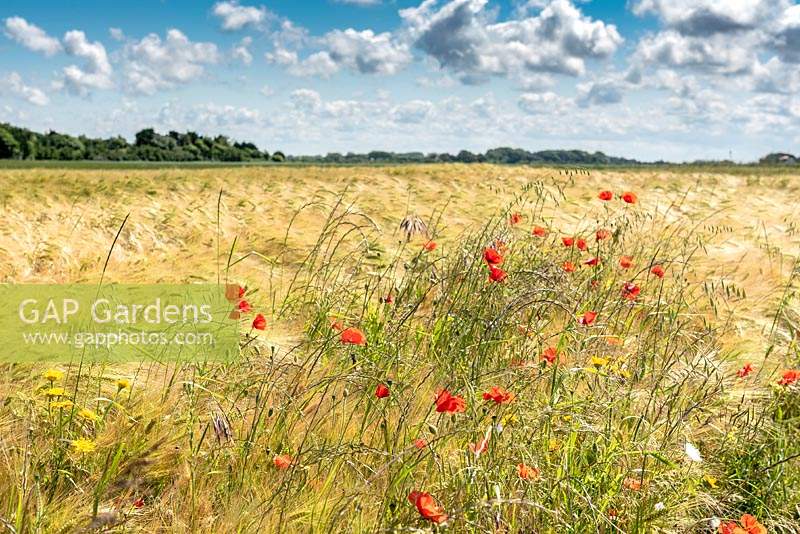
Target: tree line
[148,145]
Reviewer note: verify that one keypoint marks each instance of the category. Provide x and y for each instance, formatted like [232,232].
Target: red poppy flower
[388,299]
[420,443]
[447,403]
[242,291]
[592,261]
[630,290]
[259,323]
[568,241]
[138,503]
[789,377]
[539,231]
[283,461]
[492,257]
[658,271]
[515,218]
[745,370]
[629,197]
[527,472]
[602,234]
[353,336]
[730,528]
[430,246]
[633,484]
[381,391]
[337,325]
[581,244]
[626,262]
[550,354]
[427,506]
[244,306]
[568,267]
[496,274]
[498,395]
[587,318]
[605,195]
[480,447]
[751,525]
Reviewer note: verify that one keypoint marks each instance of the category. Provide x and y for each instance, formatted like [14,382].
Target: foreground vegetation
[487,375]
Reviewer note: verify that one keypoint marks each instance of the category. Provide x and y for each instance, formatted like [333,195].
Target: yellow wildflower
[710,480]
[54,392]
[599,362]
[123,383]
[88,414]
[51,375]
[83,445]
[61,405]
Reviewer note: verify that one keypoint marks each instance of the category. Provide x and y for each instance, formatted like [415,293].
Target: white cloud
[705,17]
[463,37]
[153,64]
[786,36]
[601,92]
[235,16]
[547,103]
[96,74]
[413,112]
[31,36]
[13,84]
[241,51]
[367,52]
[266,90]
[306,99]
[117,34]
[718,53]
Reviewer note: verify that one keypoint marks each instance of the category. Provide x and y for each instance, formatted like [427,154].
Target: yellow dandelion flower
[88,414]
[123,383]
[52,375]
[710,480]
[61,405]
[599,362]
[54,392]
[83,445]
[553,444]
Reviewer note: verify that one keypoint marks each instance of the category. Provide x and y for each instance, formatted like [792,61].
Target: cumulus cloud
[234,16]
[96,73]
[31,36]
[786,35]
[413,112]
[463,37]
[367,52]
[241,51]
[13,84]
[546,103]
[705,17]
[363,52]
[600,93]
[719,53]
[153,64]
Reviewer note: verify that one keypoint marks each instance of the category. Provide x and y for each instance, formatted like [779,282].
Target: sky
[675,80]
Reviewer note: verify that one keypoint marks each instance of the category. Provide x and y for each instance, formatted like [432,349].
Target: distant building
[779,158]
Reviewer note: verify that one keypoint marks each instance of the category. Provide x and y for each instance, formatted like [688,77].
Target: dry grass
[731,242]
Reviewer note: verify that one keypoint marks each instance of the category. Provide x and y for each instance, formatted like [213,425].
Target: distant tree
[9,147]
[278,156]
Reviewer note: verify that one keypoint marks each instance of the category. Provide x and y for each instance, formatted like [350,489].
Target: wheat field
[482,399]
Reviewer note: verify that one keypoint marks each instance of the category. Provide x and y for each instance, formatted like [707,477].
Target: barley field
[447,348]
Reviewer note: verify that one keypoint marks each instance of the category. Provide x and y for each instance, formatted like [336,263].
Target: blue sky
[652,79]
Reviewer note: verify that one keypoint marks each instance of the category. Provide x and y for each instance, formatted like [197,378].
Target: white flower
[714,523]
[693,453]
[659,506]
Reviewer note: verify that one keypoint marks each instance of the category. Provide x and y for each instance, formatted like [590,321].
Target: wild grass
[609,425]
